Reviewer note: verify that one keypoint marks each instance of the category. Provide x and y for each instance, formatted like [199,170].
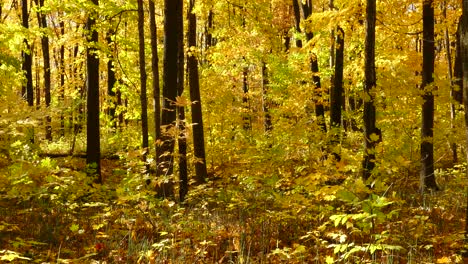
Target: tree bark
[27,89]
[155,75]
[297,19]
[170,71]
[453,111]
[93,147]
[196,106]
[143,77]
[267,124]
[62,80]
[336,93]
[111,80]
[427,177]
[369,84]
[464,59]
[42,21]
[182,138]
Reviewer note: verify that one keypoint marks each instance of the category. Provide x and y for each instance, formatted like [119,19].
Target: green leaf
[74,228]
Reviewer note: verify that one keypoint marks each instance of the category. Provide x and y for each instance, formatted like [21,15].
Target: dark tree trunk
[297,19]
[453,113]
[27,89]
[336,93]
[464,59]
[93,147]
[319,108]
[46,58]
[111,80]
[458,68]
[182,139]
[172,14]
[246,119]
[155,75]
[62,80]
[427,178]
[267,124]
[143,77]
[209,30]
[369,85]
[196,106]
[307,11]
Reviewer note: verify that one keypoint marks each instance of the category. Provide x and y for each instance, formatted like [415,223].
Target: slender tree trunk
[267,124]
[464,59]
[457,68]
[182,138]
[196,106]
[453,113]
[369,84]
[46,58]
[27,90]
[62,80]
[93,147]
[427,178]
[336,94]
[170,71]
[247,121]
[297,19]
[155,75]
[111,80]
[209,30]
[143,77]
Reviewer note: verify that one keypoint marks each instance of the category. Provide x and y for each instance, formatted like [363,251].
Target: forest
[233,131]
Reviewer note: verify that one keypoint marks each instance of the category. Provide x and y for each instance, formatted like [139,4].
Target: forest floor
[252,212]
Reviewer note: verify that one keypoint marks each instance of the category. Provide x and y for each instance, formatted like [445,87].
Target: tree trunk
[155,75]
[93,147]
[246,119]
[196,106]
[62,80]
[464,59]
[457,68]
[369,85]
[453,113]
[182,138]
[143,77]
[46,58]
[27,89]
[170,71]
[427,177]
[111,80]
[336,93]
[297,19]
[267,124]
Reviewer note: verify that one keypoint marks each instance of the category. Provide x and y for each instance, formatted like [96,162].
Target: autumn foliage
[282,183]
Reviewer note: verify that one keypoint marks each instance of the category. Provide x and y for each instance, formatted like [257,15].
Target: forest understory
[257,207]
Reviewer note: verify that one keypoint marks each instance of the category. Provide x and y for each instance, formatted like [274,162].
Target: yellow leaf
[444,260]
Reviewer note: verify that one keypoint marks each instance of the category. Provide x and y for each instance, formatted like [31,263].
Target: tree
[182,138]
[172,14]
[111,79]
[196,106]
[336,92]
[427,177]
[267,124]
[41,17]
[155,75]
[93,146]
[27,89]
[464,59]
[369,84]
[143,77]
[297,19]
